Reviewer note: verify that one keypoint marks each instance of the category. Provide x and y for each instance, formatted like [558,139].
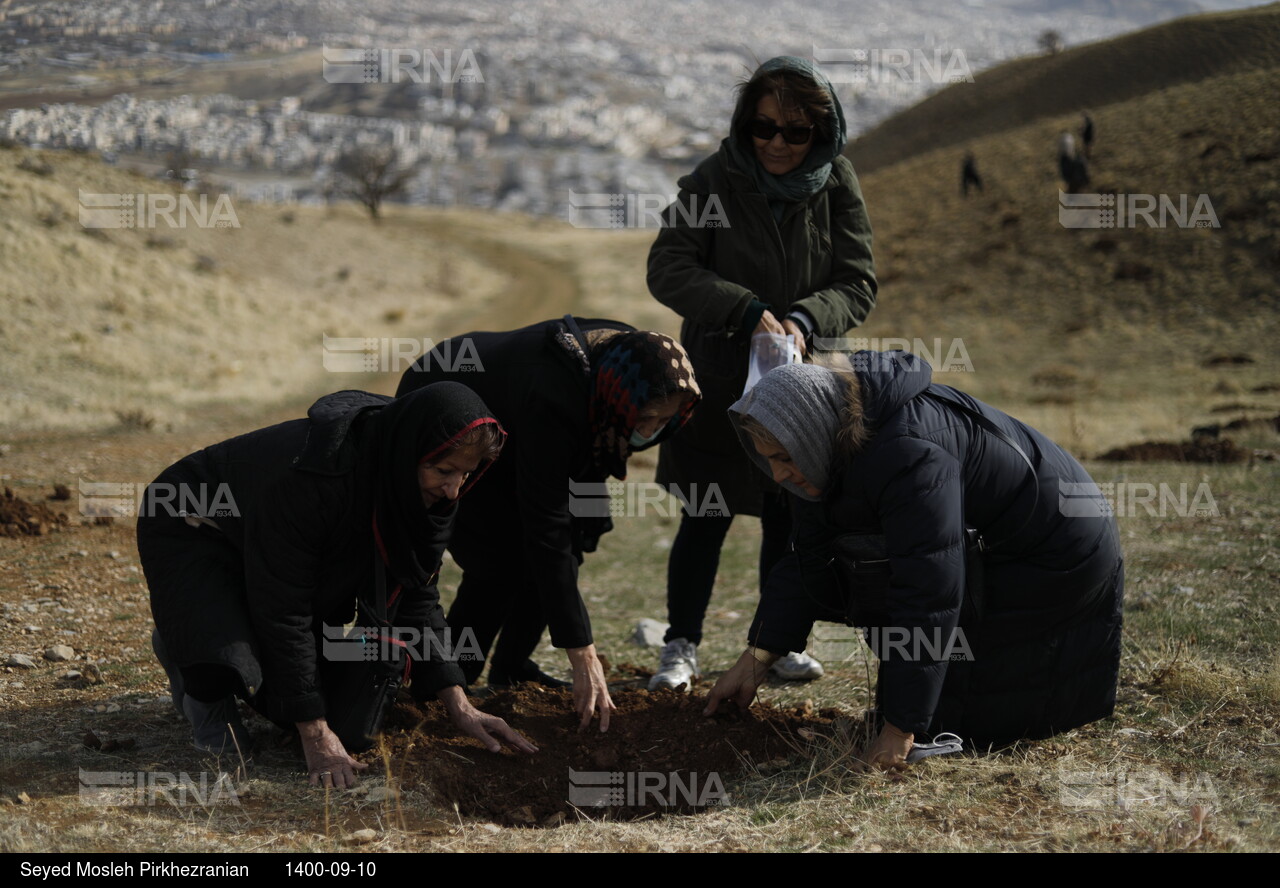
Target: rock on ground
[649,633]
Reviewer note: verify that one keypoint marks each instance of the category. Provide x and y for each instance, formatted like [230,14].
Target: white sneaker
[679,665]
[797,666]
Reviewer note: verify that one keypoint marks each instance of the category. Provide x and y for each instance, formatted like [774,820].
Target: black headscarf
[420,426]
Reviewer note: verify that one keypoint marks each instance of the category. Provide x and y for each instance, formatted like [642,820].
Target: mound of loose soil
[1247,423]
[660,755]
[1222,450]
[21,518]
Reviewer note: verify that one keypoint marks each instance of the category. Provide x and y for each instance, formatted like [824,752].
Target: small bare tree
[1050,42]
[370,174]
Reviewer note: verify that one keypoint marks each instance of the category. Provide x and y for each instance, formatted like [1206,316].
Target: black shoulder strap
[986,424]
[996,432]
[572,324]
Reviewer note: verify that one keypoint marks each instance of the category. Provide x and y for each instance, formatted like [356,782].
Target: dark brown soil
[1221,450]
[659,739]
[21,518]
[1244,422]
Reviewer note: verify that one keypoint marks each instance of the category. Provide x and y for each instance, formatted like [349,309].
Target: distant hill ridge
[1086,77]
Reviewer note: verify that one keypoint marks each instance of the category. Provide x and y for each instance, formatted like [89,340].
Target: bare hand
[889,750]
[739,684]
[769,324]
[486,728]
[590,691]
[796,332]
[328,763]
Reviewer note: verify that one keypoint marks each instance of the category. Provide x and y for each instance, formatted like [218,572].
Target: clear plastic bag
[769,350]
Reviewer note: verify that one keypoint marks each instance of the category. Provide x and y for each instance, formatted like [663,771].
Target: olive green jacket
[720,251]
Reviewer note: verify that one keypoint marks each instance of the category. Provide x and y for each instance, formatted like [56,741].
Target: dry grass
[1006,97]
[1053,335]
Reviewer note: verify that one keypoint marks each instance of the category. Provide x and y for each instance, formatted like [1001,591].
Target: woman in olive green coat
[769,235]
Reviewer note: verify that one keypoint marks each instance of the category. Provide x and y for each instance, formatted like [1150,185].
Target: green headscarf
[806,179]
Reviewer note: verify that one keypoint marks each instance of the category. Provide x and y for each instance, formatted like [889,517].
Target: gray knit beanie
[800,405]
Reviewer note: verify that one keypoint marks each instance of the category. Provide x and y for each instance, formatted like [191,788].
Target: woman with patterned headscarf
[577,398]
[768,235]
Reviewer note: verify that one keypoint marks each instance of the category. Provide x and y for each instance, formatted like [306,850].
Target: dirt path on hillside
[80,584]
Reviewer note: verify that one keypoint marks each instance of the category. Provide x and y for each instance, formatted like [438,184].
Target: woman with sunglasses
[771,236]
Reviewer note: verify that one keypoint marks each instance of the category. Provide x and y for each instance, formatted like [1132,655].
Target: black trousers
[204,638]
[496,595]
[695,560]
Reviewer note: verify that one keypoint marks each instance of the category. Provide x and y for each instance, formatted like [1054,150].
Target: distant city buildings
[594,96]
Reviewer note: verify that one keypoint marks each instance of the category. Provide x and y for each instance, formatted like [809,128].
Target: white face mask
[638,440]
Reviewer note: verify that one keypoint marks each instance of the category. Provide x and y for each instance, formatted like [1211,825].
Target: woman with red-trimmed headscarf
[256,546]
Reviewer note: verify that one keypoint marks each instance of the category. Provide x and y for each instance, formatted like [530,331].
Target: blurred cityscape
[488,104]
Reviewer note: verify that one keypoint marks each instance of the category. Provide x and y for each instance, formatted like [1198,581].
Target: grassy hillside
[165,323]
[1188,50]
[1098,335]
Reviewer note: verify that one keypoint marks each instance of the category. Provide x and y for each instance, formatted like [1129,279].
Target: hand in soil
[889,750]
[484,727]
[739,684]
[328,763]
[590,691]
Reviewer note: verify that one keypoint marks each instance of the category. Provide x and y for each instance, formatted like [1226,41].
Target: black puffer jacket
[297,502]
[1045,650]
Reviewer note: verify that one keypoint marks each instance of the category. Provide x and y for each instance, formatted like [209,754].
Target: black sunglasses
[765,130]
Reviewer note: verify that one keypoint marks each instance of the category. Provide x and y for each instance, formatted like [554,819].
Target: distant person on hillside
[788,253]
[1086,135]
[969,174]
[258,548]
[1073,168]
[978,556]
[577,398]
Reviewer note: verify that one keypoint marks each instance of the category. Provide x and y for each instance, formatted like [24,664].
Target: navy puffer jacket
[1043,654]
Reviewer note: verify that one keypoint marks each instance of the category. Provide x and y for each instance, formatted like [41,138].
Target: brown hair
[853,424]
[485,440]
[755,430]
[792,90]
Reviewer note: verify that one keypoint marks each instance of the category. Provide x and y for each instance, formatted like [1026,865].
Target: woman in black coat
[994,599]
[254,547]
[577,397]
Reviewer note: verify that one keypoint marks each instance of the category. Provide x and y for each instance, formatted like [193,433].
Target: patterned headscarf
[630,371]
